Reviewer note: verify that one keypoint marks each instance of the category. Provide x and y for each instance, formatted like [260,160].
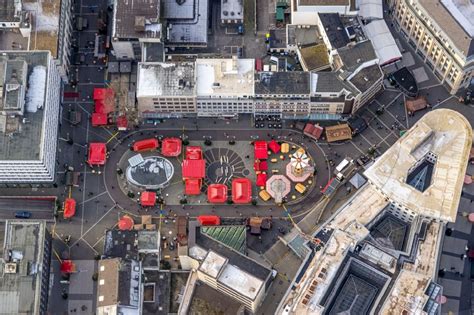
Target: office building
[25,256]
[232,11]
[28,117]
[442,34]
[306,11]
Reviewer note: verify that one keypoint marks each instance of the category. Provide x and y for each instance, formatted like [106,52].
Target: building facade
[441,35]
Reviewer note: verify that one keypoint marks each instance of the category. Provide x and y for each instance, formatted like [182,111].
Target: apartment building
[306,11]
[28,121]
[442,33]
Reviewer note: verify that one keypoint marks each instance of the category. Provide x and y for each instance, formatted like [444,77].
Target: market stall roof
[99,119]
[171,147]
[261,179]
[122,123]
[194,168]
[146,145]
[217,193]
[67,266]
[314,131]
[384,44]
[97,153]
[260,166]
[104,100]
[69,208]
[193,153]
[338,133]
[148,198]
[241,190]
[102,93]
[260,150]
[209,220]
[416,104]
[192,186]
[125,223]
[274,146]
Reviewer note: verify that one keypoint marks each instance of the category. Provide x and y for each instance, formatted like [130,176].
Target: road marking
[112,137]
[85,179]
[382,122]
[93,226]
[445,100]
[378,135]
[96,196]
[96,252]
[355,146]
[98,241]
[392,101]
[429,87]
[388,112]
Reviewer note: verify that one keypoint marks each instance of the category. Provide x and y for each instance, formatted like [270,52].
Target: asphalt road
[40,209]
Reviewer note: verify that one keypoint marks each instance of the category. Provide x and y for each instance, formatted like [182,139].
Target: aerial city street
[236,157]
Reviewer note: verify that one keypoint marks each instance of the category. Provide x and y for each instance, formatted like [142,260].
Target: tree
[131,195]
[254,202]
[183,201]
[185,142]
[208,142]
[229,201]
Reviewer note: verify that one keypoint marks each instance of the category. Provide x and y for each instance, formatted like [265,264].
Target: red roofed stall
[194,168]
[69,208]
[313,131]
[148,198]
[217,193]
[99,119]
[97,153]
[260,166]
[193,153]
[125,223]
[171,147]
[104,99]
[67,267]
[241,190]
[122,123]
[192,186]
[260,150]
[261,179]
[146,145]
[274,146]
[209,220]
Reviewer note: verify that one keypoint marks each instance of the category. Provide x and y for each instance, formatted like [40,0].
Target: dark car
[357,124]
[23,215]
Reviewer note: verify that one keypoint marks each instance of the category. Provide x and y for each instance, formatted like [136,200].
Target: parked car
[22,214]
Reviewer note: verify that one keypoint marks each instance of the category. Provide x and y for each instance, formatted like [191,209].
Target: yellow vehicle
[285,147]
[300,188]
[273,160]
[264,195]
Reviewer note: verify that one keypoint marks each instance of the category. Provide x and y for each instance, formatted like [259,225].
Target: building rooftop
[334,29]
[189,31]
[136,19]
[20,136]
[315,57]
[166,79]
[327,82]
[353,56]
[365,78]
[156,292]
[455,18]
[20,290]
[444,136]
[282,83]
[324,2]
[234,236]
[213,264]
[242,282]
[10,11]
[302,35]
[129,244]
[232,10]
[278,38]
[225,77]
[172,9]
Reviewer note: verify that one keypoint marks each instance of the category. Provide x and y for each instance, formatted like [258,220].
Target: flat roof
[166,79]
[383,42]
[232,10]
[282,83]
[183,9]
[23,137]
[20,291]
[225,77]
[334,29]
[183,31]
[326,82]
[213,264]
[302,35]
[136,19]
[366,77]
[10,11]
[315,57]
[448,135]
[240,281]
[324,2]
[353,56]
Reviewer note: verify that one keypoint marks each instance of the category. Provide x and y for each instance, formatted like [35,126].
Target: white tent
[385,46]
[370,9]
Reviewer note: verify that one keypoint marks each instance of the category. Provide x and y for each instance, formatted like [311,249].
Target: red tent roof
[171,147]
[192,186]
[67,266]
[193,153]
[69,208]
[314,131]
[217,193]
[260,150]
[122,123]
[146,145]
[261,179]
[125,223]
[99,119]
[97,153]
[209,220]
[102,93]
[260,166]
[194,168]
[104,100]
[148,198]
[241,190]
[274,146]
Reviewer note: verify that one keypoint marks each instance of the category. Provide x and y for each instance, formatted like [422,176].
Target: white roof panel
[372,9]
[384,44]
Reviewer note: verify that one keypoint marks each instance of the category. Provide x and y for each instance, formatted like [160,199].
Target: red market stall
[217,193]
[274,146]
[260,166]
[260,150]
[171,147]
[192,186]
[148,198]
[67,267]
[104,100]
[241,190]
[193,153]
[69,208]
[122,123]
[125,223]
[97,153]
[261,179]
[99,119]
[209,220]
[194,168]
[146,145]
